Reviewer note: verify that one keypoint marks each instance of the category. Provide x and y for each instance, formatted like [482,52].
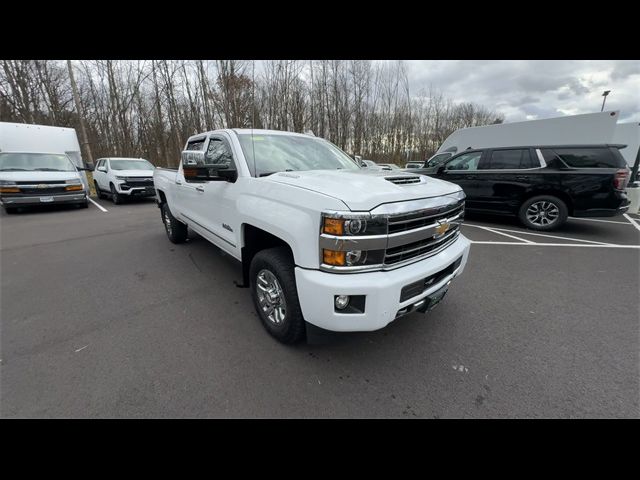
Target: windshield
[46,162]
[280,153]
[131,165]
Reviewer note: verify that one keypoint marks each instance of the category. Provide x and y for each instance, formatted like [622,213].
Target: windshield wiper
[13,169]
[47,169]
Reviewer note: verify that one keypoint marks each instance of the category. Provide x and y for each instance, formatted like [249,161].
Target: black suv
[542,185]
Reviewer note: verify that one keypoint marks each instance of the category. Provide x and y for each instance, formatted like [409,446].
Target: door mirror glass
[102,169]
[196,165]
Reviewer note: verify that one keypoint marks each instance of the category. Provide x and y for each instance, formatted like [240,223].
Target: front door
[463,170]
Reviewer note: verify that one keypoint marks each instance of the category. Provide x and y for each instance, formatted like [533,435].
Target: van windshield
[131,165]
[280,153]
[46,162]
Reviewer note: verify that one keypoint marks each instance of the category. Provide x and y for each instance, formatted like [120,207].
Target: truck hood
[38,176]
[363,190]
[133,173]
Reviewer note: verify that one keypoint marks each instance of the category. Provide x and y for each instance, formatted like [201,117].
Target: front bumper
[316,291]
[31,200]
[136,191]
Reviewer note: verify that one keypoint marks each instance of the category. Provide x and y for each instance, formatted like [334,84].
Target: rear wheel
[275,296]
[115,196]
[176,230]
[544,212]
[11,210]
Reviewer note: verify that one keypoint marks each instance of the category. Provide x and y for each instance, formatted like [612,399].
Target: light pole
[606,92]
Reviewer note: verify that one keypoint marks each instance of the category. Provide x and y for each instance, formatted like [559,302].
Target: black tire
[11,210]
[116,198]
[176,230]
[85,204]
[279,263]
[552,213]
[99,193]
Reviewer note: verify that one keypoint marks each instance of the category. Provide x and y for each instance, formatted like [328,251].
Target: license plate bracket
[433,300]
[46,199]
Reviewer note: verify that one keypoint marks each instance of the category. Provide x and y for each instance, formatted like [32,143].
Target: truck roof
[246,131]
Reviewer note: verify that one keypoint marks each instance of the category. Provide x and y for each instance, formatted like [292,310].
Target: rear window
[590,157]
[509,159]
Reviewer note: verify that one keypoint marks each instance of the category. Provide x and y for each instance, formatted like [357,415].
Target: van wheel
[115,196]
[11,210]
[275,295]
[99,193]
[176,230]
[544,212]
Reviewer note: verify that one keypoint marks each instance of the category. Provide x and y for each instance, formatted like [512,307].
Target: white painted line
[81,348]
[597,220]
[504,234]
[538,234]
[606,245]
[98,205]
[633,222]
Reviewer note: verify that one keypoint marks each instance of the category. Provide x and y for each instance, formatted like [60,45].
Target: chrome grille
[411,221]
[419,248]
[403,180]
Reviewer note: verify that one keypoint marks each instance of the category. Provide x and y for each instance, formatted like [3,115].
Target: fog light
[342,301]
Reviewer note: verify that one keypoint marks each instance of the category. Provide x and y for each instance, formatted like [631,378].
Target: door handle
[522,178]
[200,189]
[471,177]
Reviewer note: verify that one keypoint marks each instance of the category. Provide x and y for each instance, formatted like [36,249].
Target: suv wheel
[544,212]
[275,296]
[176,230]
[115,196]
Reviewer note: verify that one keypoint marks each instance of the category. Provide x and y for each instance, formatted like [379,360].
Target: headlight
[7,186]
[353,224]
[73,181]
[6,182]
[353,240]
[120,178]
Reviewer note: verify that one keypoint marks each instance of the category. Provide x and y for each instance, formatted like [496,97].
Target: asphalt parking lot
[103,317]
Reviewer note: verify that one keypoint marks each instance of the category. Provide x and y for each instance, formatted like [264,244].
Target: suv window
[509,159]
[438,159]
[218,153]
[594,157]
[464,162]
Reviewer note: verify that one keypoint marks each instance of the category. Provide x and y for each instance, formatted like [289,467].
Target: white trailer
[628,134]
[589,128]
[23,137]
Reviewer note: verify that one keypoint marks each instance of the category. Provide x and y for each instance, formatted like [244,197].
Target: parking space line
[598,220]
[502,233]
[98,205]
[633,222]
[541,235]
[605,245]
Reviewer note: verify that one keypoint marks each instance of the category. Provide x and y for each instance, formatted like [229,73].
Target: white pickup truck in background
[321,240]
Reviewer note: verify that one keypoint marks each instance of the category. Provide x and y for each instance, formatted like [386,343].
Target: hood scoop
[404,180]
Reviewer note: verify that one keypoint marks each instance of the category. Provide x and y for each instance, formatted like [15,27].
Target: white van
[40,165]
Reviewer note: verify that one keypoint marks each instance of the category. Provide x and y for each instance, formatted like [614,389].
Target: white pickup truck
[321,240]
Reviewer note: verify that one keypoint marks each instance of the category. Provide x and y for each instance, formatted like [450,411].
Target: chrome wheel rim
[271,297]
[543,213]
[167,221]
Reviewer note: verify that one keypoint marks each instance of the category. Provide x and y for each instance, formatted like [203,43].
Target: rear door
[504,177]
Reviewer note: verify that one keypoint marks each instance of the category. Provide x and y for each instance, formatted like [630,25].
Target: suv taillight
[621,179]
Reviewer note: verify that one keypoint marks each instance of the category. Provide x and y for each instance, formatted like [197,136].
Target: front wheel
[115,196]
[99,193]
[176,230]
[544,212]
[275,296]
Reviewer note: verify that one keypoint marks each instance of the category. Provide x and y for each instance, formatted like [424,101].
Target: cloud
[522,89]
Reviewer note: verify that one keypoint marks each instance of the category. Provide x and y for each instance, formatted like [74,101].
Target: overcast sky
[533,89]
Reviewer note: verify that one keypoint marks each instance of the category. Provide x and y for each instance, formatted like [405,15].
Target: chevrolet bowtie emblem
[442,228]
[42,185]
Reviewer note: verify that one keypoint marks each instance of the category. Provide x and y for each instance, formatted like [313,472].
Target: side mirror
[102,169]
[195,168]
[441,169]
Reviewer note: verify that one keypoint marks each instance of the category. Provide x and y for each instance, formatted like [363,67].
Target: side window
[218,153]
[509,159]
[588,157]
[105,164]
[465,162]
